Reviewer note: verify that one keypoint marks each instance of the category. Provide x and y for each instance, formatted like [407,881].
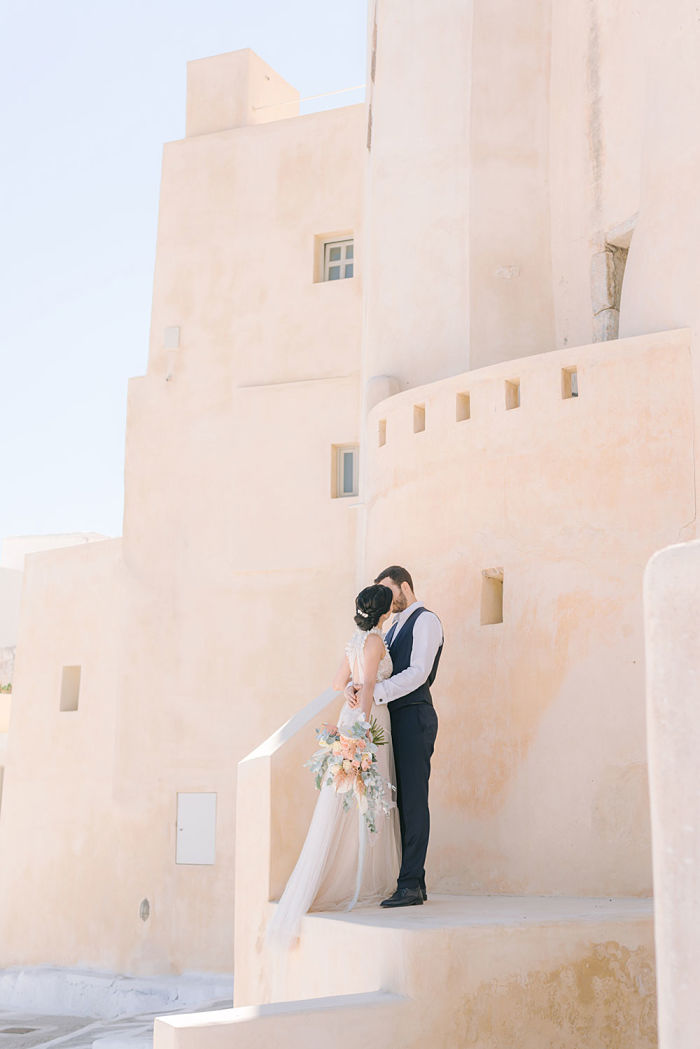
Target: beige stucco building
[13,551]
[454,327]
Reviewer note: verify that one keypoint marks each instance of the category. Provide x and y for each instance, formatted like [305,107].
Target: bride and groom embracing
[386,680]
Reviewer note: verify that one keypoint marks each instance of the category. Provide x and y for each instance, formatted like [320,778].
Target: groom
[415,642]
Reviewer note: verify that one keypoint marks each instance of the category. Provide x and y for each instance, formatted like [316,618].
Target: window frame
[343,263]
[339,451]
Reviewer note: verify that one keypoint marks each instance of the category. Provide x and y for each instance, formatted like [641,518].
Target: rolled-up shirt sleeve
[427,638]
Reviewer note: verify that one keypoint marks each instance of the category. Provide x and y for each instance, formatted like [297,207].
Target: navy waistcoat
[400,651]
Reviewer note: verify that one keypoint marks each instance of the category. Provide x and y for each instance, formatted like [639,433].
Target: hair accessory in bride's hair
[365,615]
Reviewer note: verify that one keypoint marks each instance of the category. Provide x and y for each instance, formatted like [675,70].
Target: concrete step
[485,972]
[361,1019]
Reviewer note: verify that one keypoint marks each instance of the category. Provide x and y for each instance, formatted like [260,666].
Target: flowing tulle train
[341,862]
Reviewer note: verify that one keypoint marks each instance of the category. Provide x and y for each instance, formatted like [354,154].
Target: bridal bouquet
[347,761]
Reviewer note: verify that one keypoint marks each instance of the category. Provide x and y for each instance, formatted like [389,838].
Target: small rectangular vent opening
[491,596]
[463,411]
[418,418]
[569,383]
[513,394]
[70,688]
[381,432]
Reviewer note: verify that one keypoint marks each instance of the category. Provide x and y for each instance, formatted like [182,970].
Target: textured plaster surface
[482,971]
[672,606]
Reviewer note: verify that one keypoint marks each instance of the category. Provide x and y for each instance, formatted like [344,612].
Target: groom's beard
[399,603]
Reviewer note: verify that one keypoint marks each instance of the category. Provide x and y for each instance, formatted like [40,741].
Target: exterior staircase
[489,972]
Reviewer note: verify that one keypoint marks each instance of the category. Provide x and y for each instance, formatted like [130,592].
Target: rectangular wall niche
[381,433]
[196,828]
[569,383]
[491,596]
[463,411]
[70,688]
[418,418]
[513,394]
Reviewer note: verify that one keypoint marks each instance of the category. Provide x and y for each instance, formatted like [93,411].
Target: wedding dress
[341,862]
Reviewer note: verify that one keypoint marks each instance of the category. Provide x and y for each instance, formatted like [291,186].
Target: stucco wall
[511,308]
[14,548]
[59,828]
[598,100]
[457,251]
[226,605]
[539,779]
[417,191]
[672,608]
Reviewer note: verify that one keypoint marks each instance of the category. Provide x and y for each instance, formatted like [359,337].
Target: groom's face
[400,600]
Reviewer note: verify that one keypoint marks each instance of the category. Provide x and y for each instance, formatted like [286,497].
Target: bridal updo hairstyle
[371,604]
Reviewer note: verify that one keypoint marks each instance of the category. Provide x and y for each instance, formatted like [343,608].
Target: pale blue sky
[90,91]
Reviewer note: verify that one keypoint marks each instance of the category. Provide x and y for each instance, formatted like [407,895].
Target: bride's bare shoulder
[375,643]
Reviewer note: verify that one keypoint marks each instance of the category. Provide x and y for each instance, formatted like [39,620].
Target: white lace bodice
[355,652]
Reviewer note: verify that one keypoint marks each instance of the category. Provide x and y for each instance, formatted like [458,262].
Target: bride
[341,862]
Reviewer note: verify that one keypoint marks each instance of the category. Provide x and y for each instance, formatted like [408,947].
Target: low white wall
[106,995]
[14,548]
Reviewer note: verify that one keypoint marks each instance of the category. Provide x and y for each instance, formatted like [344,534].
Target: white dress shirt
[427,638]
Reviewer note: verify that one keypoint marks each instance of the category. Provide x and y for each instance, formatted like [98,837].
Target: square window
[345,467]
[70,688]
[338,258]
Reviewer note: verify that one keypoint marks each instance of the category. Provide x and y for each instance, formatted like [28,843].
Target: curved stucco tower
[456,253]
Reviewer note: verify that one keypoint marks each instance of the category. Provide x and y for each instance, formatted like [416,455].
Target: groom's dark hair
[397,574]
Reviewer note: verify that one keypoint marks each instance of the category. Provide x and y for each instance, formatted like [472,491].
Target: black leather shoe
[424,894]
[404,898]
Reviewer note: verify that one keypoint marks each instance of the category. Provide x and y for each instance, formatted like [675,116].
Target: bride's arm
[342,676]
[374,650]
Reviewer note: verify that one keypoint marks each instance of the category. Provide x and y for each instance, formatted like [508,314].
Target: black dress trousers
[413,732]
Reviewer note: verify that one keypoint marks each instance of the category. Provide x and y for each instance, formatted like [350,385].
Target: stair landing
[483,972]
